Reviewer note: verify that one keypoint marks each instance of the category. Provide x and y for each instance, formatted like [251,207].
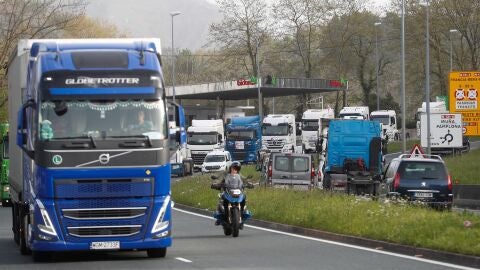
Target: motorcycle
[230,216]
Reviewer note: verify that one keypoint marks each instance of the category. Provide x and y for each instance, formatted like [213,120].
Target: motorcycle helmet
[236,165]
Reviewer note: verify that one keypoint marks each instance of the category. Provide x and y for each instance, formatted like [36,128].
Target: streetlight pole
[376,53]
[260,99]
[451,48]
[173,14]
[404,143]
[427,73]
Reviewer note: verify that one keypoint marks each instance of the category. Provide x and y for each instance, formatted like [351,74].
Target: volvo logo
[104,158]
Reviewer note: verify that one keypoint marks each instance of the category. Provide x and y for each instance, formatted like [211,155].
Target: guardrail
[466,196]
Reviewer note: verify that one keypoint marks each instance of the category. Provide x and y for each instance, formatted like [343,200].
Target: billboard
[463,98]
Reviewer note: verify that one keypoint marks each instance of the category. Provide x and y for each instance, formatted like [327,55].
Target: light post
[404,143]
[260,98]
[451,47]
[426,3]
[376,53]
[173,14]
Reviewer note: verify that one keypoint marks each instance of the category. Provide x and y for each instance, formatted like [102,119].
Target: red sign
[416,151]
[244,82]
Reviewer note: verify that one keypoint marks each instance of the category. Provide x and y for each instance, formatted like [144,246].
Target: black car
[418,179]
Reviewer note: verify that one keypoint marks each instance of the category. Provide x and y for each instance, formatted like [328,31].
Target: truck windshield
[351,115]
[113,118]
[310,125]
[241,134]
[275,130]
[383,119]
[202,138]
[214,158]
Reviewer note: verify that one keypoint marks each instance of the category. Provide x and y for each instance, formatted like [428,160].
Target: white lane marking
[346,245]
[183,259]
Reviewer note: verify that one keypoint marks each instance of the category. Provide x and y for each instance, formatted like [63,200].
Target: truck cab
[278,133]
[204,136]
[388,119]
[180,156]
[358,113]
[313,123]
[244,138]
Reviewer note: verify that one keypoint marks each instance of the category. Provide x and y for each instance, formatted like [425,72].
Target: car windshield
[112,118]
[275,130]
[241,134]
[215,158]
[384,120]
[202,138]
[422,170]
[310,125]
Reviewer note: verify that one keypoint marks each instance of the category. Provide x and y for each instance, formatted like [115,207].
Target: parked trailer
[90,169]
[354,157]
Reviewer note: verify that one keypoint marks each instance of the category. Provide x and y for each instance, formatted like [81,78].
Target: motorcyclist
[233,180]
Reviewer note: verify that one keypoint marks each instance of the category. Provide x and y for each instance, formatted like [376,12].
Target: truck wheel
[41,256]
[156,252]
[16,235]
[190,168]
[24,249]
[6,203]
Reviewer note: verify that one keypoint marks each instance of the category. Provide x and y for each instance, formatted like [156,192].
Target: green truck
[4,163]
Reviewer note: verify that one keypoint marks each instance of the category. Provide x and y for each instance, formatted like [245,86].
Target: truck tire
[157,252]
[24,249]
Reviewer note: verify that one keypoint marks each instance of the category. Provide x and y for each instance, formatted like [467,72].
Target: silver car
[291,170]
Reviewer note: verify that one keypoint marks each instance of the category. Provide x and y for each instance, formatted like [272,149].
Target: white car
[217,161]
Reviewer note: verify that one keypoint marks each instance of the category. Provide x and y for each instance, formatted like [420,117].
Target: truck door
[301,170]
[281,172]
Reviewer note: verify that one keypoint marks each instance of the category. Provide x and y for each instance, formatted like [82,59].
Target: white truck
[313,123]
[204,136]
[435,107]
[358,112]
[388,119]
[279,133]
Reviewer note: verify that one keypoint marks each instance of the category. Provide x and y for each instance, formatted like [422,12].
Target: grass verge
[396,223]
[396,146]
[463,169]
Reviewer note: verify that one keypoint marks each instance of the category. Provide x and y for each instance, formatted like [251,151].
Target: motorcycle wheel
[227,230]
[235,221]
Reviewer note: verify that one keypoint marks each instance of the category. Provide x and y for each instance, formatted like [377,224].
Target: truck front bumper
[127,245]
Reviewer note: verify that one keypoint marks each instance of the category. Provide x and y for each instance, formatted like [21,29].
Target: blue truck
[180,156]
[90,169]
[354,157]
[244,138]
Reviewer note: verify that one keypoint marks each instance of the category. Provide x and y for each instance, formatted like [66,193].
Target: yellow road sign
[463,98]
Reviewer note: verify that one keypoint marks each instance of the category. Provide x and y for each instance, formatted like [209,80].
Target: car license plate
[423,194]
[105,245]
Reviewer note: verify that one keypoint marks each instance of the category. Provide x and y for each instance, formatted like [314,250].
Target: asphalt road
[198,244]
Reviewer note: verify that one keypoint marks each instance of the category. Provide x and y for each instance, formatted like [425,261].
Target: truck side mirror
[22,134]
[219,137]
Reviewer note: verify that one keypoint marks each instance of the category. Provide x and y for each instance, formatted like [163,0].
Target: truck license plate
[423,194]
[105,245]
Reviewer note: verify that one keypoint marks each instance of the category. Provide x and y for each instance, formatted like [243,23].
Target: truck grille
[104,213]
[96,188]
[275,143]
[104,231]
[239,155]
[198,158]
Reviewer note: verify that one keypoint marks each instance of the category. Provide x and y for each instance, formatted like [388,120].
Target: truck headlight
[159,224]
[47,226]
[6,188]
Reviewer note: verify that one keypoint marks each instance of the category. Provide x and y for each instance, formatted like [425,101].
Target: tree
[26,19]
[242,29]
[85,27]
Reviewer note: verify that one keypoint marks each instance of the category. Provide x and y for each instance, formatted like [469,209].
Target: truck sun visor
[100,59]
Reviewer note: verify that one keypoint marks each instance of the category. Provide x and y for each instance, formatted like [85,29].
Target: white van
[217,161]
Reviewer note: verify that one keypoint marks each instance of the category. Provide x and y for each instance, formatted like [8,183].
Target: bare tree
[25,19]
[243,27]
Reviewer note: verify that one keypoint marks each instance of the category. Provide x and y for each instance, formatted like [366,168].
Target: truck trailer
[4,165]
[90,169]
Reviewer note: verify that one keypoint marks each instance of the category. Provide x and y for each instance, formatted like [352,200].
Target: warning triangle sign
[417,152]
